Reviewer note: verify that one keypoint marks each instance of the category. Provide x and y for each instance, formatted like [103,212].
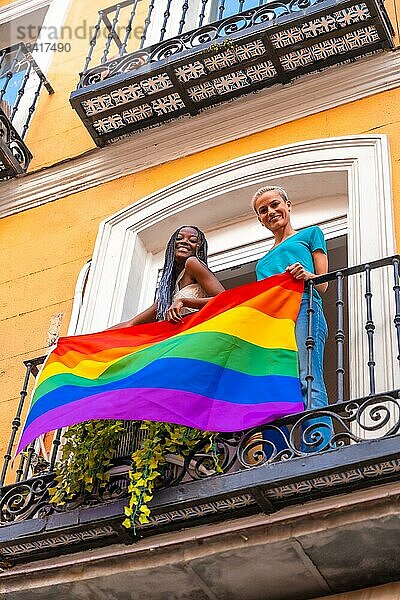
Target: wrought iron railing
[21,82]
[153,30]
[132,25]
[372,414]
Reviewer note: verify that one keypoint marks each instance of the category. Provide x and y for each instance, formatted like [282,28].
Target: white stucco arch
[120,260]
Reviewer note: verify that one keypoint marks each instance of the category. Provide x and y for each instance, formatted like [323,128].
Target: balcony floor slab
[313,550]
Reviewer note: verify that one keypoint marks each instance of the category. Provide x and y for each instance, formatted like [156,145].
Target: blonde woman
[303,254]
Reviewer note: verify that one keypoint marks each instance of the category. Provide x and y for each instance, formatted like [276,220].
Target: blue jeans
[317,432]
[319,396]
[320,430]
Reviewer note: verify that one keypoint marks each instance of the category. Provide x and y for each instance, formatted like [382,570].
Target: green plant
[86,455]
[149,460]
[227,44]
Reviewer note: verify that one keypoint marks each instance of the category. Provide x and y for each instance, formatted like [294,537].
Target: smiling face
[273,211]
[186,243]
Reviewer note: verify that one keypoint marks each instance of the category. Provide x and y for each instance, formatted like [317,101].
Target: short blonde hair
[268,188]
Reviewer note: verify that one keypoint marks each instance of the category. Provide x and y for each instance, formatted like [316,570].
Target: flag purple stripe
[160,404]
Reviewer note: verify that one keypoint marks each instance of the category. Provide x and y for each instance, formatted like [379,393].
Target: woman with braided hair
[186,285]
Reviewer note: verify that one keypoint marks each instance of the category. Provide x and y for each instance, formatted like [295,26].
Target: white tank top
[193,290]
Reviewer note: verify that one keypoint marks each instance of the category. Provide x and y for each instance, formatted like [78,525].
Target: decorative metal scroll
[30,499]
[321,431]
[14,154]
[26,500]
[207,34]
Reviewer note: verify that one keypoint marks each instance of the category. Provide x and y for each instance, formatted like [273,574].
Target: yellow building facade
[330,136]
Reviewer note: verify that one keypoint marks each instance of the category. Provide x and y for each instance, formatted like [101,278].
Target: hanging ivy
[86,455]
[89,450]
[151,459]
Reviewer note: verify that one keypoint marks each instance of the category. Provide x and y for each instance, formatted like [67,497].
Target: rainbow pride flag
[231,366]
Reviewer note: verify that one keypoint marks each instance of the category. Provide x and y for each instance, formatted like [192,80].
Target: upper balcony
[351,445]
[153,61]
[21,82]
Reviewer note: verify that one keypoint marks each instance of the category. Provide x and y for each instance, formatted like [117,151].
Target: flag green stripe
[214,347]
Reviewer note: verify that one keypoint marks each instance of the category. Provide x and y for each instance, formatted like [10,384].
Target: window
[21,78]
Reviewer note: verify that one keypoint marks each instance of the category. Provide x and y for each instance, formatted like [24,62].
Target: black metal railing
[21,82]
[132,25]
[373,413]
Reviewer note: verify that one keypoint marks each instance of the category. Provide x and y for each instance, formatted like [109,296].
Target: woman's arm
[320,260]
[147,316]
[202,275]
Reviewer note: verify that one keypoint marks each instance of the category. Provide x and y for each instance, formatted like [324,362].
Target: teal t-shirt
[296,248]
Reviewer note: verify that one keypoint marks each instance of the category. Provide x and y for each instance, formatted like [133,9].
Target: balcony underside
[259,48]
[14,154]
[311,551]
[306,552]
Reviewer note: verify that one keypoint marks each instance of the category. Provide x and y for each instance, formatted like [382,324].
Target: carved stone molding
[200,511]
[15,10]
[317,484]
[57,541]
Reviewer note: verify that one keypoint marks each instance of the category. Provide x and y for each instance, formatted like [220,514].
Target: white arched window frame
[121,275]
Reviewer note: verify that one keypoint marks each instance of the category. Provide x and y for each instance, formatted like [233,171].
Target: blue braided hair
[169,275]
